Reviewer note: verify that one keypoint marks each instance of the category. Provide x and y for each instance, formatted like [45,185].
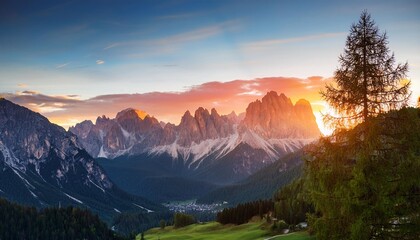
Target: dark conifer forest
[21,222]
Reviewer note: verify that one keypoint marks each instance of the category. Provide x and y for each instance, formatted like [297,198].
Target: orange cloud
[170,106]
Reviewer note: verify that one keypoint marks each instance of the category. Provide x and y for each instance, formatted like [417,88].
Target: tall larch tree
[367,82]
[363,180]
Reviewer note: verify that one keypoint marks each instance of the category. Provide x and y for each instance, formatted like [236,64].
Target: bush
[182,220]
[162,224]
[282,225]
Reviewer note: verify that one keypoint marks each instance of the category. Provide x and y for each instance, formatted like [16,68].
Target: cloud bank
[235,95]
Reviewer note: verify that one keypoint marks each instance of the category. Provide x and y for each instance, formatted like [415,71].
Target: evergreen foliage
[367,83]
[291,203]
[364,182]
[162,224]
[242,213]
[182,220]
[19,222]
[368,187]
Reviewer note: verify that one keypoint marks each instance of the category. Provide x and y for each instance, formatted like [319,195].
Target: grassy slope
[216,231]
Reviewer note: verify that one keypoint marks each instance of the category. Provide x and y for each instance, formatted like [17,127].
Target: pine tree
[162,224]
[364,181]
[367,82]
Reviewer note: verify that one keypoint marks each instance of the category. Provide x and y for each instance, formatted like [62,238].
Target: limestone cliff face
[114,137]
[271,127]
[275,116]
[203,126]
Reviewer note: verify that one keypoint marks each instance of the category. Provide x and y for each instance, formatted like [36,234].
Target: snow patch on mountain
[33,194]
[120,152]
[73,198]
[10,159]
[197,151]
[257,142]
[289,145]
[27,184]
[102,153]
[96,185]
[148,210]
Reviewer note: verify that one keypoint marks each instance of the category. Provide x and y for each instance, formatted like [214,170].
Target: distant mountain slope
[261,185]
[154,178]
[43,165]
[205,146]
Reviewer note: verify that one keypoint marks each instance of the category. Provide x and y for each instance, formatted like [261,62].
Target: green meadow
[216,231]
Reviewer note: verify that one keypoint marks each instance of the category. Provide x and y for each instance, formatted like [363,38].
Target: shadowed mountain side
[43,165]
[261,185]
[154,178]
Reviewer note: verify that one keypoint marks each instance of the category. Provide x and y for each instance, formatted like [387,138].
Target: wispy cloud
[180,16]
[113,45]
[22,85]
[62,65]
[269,43]
[179,38]
[99,61]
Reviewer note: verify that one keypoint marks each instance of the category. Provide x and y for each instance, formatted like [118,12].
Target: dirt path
[281,235]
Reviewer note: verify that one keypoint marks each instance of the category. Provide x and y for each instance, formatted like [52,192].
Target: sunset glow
[165,58]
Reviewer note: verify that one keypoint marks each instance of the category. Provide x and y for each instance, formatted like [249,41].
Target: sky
[76,60]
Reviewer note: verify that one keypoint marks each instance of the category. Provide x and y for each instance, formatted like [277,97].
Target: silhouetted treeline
[242,213]
[21,222]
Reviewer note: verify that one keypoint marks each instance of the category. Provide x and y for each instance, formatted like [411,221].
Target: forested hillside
[21,222]
[261,185]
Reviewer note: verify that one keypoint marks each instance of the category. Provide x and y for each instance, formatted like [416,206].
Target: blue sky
[91,48]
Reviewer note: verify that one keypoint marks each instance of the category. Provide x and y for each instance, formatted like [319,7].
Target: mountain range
[204,151]
[42,164]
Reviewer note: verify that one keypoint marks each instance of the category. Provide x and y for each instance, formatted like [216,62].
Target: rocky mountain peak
[28,138]
[131,113]
[275,116]
[303,107]
[303,102]
[44,166]
[233,117]
[214,113]
[102,120]
[187,115]
[82,129]
[201,112]
[270,118]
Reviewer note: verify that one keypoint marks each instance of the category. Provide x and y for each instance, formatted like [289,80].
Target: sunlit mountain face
[206,150]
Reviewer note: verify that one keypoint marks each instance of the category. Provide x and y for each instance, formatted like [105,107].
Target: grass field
[216,231]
